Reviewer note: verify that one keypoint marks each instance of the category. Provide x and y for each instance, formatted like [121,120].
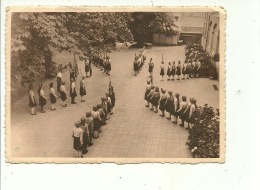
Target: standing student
[192,68]
[63,94]
[184,70]
[176,108]
[155,99]
[42,98]
[197,69]
[183,107]
[193,108]
[149,98]
[53,97]
[72,73]
[188,70]
[113,99]
[87,68]
[147,91]
[32,101]
[82,89]
[173,70]
[59,80]
[108,65]
[85,135]
[186,113]
[96,121]
[109,103]
[169,71]
[135,63]
[178,70]
[162,102]
[150,67]
[89,122]
[169,105]
[162,70]
[73,92]
[77,135]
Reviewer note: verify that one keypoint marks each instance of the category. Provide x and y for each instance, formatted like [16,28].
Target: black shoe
[146,106]
[100,131]
[33,114]
[43,111]
[53,109]
[90,144]
[168,118]
[172,79]
[181,125]
[82,100]
[73,102]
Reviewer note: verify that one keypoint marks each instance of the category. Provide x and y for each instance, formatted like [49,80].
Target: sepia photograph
[123,85]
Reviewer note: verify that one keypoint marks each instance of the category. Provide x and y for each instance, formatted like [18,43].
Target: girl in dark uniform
[150,67]
[147,91]
[63,94]
[89,122]
[87,68]
[108,66]
[77,135]
[72,73]
[178,70]
[135,66]
[155,99]
[183,107]
[176,108]
[149,98]
[82,89]
[173,70]
[85,135]
[184,70]
[162,70]
[192,68]
[170,105]
[188,70]
[197,69]
[162,102]
[169,71]
[42,98]
[113,99]
[32,102]
[73,92]
[96,122]
[53,97]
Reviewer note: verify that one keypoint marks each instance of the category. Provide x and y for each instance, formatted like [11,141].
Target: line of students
[139,62]
[102,62]
[53,96]
[171,104]
[89,126]
[187,70]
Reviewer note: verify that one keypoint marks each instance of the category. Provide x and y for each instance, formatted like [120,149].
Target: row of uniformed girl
[62,93]
[170,103]
[176,71]
[90,125]
[139,61]
[102,62]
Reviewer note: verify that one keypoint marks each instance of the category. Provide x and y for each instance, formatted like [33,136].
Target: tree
[144,24]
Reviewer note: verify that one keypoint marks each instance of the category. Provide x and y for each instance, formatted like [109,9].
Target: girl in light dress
[77,135]
[63,94]
[53,97]
[176,108]
[169,105]
[42,98]
[82,89]
[32,101]
[147,91]
[193,108]
[183,107]
[169,71]
[162,70]
[178,70]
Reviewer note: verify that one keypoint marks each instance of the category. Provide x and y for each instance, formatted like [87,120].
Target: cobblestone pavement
[132,132]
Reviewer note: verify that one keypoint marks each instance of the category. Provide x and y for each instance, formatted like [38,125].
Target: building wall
[210,33]
[162,39]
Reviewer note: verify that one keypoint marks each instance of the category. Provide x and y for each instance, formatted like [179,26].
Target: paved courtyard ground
[132,132]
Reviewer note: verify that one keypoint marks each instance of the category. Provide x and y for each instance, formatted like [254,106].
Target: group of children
[177,71]
[102,61]
[53,96]
[157,98]
[89,126]
[139,61]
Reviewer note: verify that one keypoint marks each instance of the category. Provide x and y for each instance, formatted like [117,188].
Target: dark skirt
[108,67]
[148,98]
[86,69]
[109,107]
[82,91]
[178,71]
[96,124]
[188,71]
[162,104]
[73,93]
[181,114]
[42,101]
[63,96]
[169,72]
[184,71]
[175,113]
[173,72]
[146,94]
[77,144]
[162,72]
[155,101]
[186,115]
[136,67]
[170,107]
[52,99]
[31,103]
[150,69]
[85,143]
